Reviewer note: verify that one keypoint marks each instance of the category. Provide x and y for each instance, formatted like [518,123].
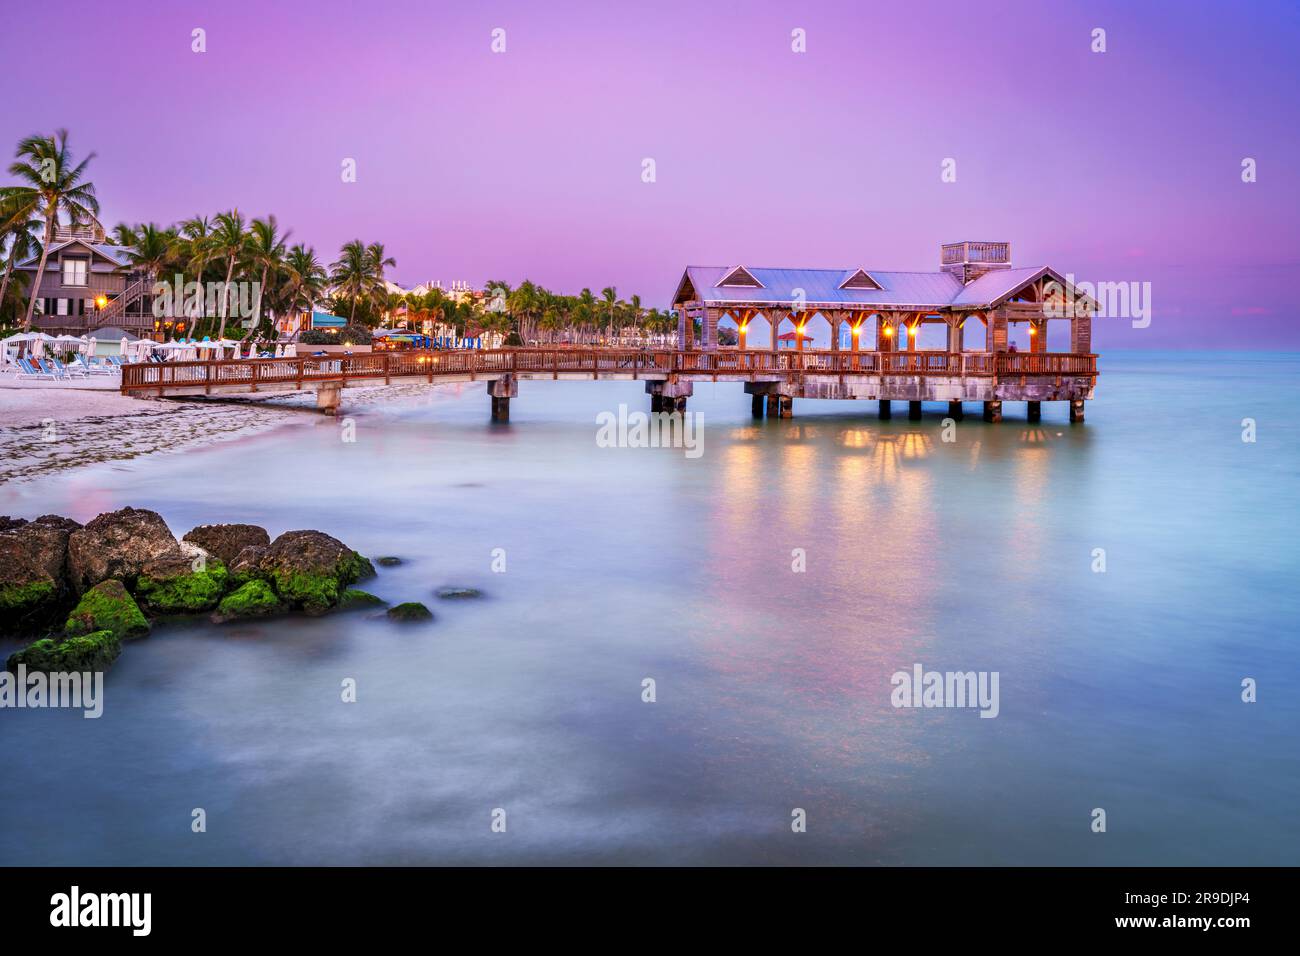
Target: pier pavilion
[885,312]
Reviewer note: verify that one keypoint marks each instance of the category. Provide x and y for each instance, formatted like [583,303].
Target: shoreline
[46,431]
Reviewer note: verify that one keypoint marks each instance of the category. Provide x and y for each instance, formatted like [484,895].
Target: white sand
[52,428]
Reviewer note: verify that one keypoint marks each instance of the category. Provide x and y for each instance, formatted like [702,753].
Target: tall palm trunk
[225,297]
[40,270]
[9,271]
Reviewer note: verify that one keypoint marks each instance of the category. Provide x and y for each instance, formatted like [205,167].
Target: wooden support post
[656,402]
[1076,410]
[955,411]
[885,411]
[786,404]
[773,405]
[500,408]
[328,398]
[914,411]
[1035,411]
[756,406]
[993,411]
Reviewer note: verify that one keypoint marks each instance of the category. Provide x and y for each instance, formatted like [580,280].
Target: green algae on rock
[107,606]
[178,584]
[410,611]
[252,599]
[354,598]
[95,651]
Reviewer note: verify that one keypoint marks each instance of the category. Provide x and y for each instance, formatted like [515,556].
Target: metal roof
[118,255]
[821,287]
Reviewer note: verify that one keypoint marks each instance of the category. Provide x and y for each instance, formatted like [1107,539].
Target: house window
[74,271]
[61,306]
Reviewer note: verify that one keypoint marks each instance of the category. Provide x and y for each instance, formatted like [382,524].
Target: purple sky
[1122,166]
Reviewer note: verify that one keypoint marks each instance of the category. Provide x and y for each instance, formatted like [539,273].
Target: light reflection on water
[1117,690]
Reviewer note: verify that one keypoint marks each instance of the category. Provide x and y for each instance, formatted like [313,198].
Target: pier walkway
[773,378]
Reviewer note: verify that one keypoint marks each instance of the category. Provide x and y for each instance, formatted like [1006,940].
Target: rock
[458,594]
[8,524]
[410,611]
[253,599]
[48,537]
[226,541]
[181,584]
[354,598]
[29,597]
[107,606]
[33,572]
[388,562]
[310,569]
[117,545]
[246,566]
[90,652]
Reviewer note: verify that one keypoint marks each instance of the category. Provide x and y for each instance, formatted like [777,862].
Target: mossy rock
[173,586]
[388,561]
[107,606]
[26,599]
[89,652]
[310,569]
[458,594]
[252,599]
[410,611]
[360,568]
[354,598]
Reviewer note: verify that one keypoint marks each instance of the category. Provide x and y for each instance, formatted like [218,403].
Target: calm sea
[1118,690]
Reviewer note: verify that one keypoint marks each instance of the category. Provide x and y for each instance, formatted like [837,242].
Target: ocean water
[1118,690]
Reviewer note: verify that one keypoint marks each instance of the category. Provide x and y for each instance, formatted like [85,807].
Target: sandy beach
[46,428]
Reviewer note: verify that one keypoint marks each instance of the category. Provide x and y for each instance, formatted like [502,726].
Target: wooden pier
[975,286]
[669,374]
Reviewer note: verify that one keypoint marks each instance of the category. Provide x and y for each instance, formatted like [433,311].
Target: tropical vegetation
[215,251]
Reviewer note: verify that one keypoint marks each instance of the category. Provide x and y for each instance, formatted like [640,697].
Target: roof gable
[860,279]
[739,277]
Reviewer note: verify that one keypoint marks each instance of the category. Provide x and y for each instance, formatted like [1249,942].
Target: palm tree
[348,275]
[53,186]
[193,246]
[21,233]
[229,242]
[122,235]
[266,249]
[305,279]
[152,249]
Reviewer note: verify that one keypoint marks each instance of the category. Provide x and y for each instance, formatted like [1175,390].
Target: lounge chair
[27,369]
[68,371]
[94,368]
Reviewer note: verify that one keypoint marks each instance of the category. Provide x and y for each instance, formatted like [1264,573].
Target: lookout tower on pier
[970,260]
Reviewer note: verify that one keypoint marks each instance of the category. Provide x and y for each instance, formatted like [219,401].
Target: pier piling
[756,406]
[955,411]
[993,411]
[1035,411]
[885,411]
[914,411]
[328,398]
[1076,410]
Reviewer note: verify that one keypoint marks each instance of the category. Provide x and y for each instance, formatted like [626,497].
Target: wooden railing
[431,365]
